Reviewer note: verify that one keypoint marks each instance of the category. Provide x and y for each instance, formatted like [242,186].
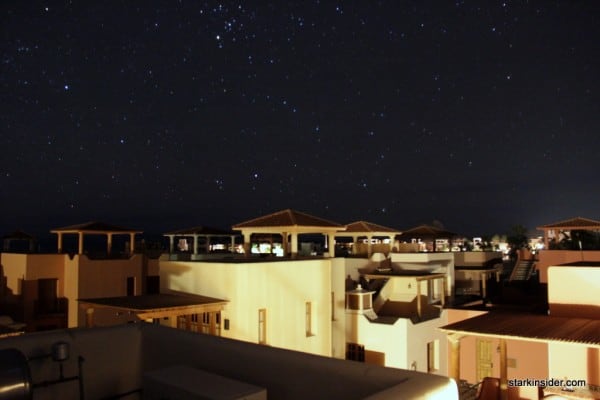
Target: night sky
[163,115]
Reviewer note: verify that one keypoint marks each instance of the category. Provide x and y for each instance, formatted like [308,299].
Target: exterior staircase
[522,270]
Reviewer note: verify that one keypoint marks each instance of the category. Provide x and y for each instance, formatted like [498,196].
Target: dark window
[355,352]
[130,285]
[47,301]
[153,284]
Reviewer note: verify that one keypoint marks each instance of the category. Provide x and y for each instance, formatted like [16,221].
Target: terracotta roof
[287,218]
[364,226]
[201,230]
[533,327]
[94,226]
[573,223]
[427,231]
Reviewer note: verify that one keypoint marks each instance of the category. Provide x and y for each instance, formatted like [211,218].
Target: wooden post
[503,371]
[212,323]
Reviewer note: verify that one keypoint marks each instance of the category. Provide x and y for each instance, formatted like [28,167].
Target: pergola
[95,228]
[207,233]
[155,306]
[525,327]
[369,230]
[292,223]
[578,223]
[424,232]
[18,236]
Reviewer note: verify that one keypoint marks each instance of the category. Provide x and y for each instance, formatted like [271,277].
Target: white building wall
[418,335]
[281,287]
[382,338]
[338,318]
[574,285]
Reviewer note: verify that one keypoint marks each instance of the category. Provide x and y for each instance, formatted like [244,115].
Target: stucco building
[42,290]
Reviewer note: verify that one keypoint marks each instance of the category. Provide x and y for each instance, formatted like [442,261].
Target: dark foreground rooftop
[119,360]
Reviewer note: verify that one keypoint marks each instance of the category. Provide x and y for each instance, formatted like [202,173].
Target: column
[369,245]
[454,370]
[484,285]
[284,243]
[331,240]
[354,244]
[232,244]
[246,237]
[294,245]
[171,243]
[208,244]
[131,243]
[195,244]
[80,244]
[503,371]
[89,317]
[60,243]
[109,243]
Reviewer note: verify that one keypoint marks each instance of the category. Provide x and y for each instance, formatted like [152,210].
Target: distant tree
[517,237]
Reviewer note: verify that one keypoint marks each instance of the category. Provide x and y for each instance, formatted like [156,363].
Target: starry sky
[162,115]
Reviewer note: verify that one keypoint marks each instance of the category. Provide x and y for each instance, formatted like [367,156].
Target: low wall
[286,374]
[116,358]
[547,258]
